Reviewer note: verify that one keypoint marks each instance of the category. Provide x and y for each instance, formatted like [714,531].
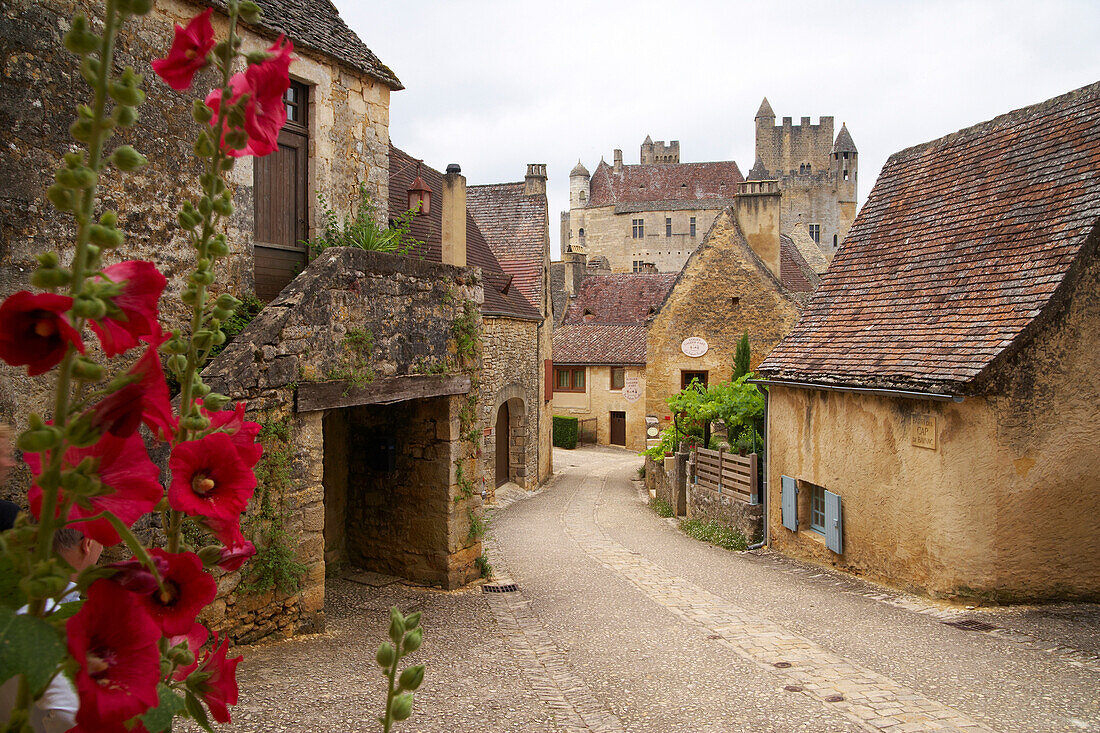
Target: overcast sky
[496,85]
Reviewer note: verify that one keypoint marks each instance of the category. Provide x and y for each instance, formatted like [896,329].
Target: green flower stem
[387,720]
[84,217]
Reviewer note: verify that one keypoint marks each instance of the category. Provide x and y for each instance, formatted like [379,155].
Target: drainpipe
[767,453]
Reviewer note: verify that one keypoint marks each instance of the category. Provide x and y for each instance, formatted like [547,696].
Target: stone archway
[509,436]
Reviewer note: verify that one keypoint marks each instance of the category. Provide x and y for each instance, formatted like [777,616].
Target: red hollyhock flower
[114,642]
[135,577]
[134,314]
[195,637]
[220,688]
[34,332]
[242,432]
[187,590]
[237,549]
[188,53]
[209,478]
[262,87]
[124,466]
[144,400]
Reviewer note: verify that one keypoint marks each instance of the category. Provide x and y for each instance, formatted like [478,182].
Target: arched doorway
[503,433]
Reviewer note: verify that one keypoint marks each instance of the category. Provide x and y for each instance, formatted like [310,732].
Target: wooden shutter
[790,503]
[548,380]
[834,528]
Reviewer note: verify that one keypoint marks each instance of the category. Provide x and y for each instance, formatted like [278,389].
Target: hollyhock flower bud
[412,677]
[125,158]
[236,555]
[412,641]
[402,706]
[237,549]
[185,590]
[114,643]
[219,689]
[385,655]
[34,332]
[134,312]
[186,650]
[209,478]
[190,48]
[124,466]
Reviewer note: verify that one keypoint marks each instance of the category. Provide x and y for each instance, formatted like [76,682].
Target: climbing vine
[465,330]
[274,566]
[356,368]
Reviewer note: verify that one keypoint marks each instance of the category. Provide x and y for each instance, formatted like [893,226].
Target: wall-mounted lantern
[420,196]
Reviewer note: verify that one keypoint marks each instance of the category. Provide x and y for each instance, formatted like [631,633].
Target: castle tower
[657,152]
[579,190]
[845,166]
[573,236]
[765,143]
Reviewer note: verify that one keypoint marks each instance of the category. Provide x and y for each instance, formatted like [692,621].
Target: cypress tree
[741,358]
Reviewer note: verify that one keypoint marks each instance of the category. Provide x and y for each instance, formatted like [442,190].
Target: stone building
[653,215]
[337,136]
[506,234]
[630,341]
[932,416]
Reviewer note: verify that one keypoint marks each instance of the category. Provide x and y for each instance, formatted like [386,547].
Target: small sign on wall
[923,431]
[632,391]
[694,346]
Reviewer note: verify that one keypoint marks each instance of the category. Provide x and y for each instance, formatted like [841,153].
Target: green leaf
[10,594]
[64,611]
[197,712]
[159,719]
[29,646]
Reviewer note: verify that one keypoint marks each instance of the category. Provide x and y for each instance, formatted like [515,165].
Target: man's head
[79,551]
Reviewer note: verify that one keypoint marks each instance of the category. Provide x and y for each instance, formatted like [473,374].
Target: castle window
[801,169]
[845,156]
[815,233]
[834,241]
[845,175]
[692,225]
[583,196]
[668,226]
[581,233]
[638,228]
[809,169]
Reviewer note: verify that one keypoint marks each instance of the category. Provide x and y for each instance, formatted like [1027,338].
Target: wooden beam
[383,391]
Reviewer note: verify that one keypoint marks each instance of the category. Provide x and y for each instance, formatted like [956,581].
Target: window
[692,225]
[618,378]
[817,508]
[687,378]
[845,175]
[638,265]
[580,233]
[295,101]
[834,241]
[568,379]
[583,195]
[815,233]
[668,226]
[638,228]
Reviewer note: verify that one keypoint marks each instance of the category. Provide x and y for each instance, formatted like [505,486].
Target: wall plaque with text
[694,346]
[923,431]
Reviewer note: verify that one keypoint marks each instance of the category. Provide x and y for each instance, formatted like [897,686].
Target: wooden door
[503,443]
[282,202]
[618,428]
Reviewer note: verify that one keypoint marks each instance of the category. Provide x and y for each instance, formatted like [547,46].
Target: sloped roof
[962,243]
[765,110]
[844,142]
[579,170]
[667,182]
[316,25]
[794,272]
[516,226]
[619,299]
[501,298]
[600,343]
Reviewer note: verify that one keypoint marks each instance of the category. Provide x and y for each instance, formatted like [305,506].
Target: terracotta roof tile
[619,299]
[961,244]
[794,272]
[666,182]
[600,343]
[501,298]
[516,227]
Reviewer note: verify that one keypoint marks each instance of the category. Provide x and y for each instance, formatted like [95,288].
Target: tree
[741,358]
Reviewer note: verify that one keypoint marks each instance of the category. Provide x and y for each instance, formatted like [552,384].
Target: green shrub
[714,533]
[566,430]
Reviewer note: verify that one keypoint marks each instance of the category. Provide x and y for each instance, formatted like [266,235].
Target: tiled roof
[961,245]
[794,272]
[844,142]
[600,343]
[516,227]
[669,182]
[316,25]
[620,298]
[501,298]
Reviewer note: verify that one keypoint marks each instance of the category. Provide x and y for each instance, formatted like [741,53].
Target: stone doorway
[387,485]
[509,444]
[503,447]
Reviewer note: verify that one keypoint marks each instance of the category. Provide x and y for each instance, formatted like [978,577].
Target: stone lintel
[386,390]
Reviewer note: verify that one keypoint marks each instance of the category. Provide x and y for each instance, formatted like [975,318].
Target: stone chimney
[535,181]
[618,166]
[756,206]
[453,234]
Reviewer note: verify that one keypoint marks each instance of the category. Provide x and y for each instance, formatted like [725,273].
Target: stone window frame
[637,230]
[571,374]
[692,225]
[668,226]
[815,232]
[612,372]
[685,380]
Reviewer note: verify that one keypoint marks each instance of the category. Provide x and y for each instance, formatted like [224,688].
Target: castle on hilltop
[651,217]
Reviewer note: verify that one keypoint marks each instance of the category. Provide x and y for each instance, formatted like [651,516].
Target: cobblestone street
[618,622]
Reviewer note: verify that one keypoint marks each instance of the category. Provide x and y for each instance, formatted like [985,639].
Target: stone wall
[354,320]
[598,400]
[349,143]
[1000,507]
[708,506]
[608,232]
[511,374]
[701,304]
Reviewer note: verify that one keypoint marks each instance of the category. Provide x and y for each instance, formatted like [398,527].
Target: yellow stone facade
[599,400]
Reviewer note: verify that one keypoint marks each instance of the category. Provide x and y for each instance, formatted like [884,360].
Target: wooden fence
[586,430]
[727,474]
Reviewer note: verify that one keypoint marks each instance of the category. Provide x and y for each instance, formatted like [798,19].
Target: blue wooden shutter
[834,527]
[790,504]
